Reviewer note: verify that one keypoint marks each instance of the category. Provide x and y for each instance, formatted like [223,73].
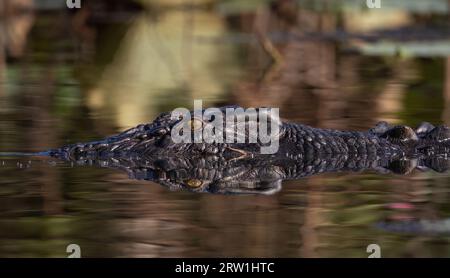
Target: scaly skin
[295,141]
[148,152]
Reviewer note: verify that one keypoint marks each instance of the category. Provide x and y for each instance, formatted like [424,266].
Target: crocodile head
[204,132]
[251,132]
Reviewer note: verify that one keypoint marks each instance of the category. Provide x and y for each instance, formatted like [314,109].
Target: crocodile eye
[194,183]
[195,124]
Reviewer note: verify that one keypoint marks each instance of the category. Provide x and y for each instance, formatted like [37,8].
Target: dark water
[112,72]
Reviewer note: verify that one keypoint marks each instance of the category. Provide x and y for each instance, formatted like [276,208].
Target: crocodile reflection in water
[257,175]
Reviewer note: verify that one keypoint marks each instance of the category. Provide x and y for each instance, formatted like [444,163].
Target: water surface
[114,72]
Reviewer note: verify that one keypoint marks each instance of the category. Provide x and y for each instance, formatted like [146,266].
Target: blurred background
[70,75]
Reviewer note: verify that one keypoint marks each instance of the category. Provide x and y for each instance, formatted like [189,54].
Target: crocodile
[149,152]
[296,141]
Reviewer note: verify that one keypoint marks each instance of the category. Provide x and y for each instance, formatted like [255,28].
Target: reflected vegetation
[76,75]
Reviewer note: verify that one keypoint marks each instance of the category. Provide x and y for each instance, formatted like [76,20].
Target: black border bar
[78,267]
